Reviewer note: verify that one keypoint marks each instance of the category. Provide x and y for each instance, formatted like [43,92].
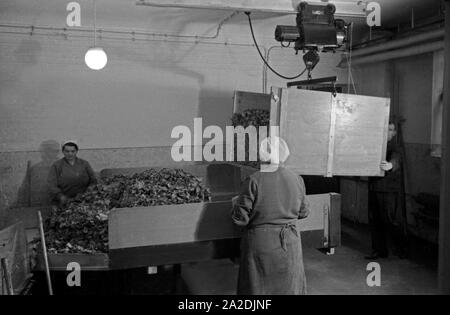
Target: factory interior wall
[123,115]
[408,82]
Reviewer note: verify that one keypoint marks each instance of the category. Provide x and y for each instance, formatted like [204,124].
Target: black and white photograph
[224,154]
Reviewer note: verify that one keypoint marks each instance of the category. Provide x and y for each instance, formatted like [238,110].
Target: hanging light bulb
[95,57]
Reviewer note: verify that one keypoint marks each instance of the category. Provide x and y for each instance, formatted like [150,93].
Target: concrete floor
[343,273]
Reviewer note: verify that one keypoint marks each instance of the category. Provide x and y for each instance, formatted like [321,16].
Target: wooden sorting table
[175,234]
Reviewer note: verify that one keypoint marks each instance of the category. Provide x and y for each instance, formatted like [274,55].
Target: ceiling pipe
[396,54]
[352,9]
[400,43]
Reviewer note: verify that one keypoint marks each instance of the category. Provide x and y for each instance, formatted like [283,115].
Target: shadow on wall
[177,20]
[165,55]
[215,107]
[33,191]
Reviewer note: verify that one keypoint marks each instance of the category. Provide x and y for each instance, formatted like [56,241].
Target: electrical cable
[262,57]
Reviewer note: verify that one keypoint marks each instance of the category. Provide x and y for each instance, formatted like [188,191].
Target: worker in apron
[269,206]
[69,176]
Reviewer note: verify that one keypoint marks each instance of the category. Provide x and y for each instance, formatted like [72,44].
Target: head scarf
[72,142]
[274,149]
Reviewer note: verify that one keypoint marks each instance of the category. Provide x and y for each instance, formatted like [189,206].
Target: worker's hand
[386,166]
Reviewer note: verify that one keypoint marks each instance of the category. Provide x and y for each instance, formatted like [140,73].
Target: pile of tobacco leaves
[250,117]
[82,225]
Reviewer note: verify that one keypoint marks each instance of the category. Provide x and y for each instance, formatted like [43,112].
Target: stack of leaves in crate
[250,117]
[82,226]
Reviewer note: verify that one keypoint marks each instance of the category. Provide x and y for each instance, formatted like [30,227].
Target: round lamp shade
[96,58]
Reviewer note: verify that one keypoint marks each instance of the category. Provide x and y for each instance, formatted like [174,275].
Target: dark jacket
[269,206]
[271,198]
[70,180]
[391,182]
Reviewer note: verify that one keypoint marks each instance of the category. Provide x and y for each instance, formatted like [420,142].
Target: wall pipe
[396,54]
[400,43]
[33,28]
[59,31]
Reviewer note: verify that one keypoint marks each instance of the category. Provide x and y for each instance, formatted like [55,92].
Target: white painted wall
[147,88]
[409,83]
[47,94]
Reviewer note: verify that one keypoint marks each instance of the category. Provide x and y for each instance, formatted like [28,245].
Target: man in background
[385,207]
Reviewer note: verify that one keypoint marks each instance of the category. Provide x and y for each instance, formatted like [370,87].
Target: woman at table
[70,175]
[269,206]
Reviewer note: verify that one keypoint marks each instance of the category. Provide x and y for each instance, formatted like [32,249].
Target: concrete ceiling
[393,11]
[125,14]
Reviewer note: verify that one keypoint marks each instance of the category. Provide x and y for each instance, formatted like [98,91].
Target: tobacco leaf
[250,117]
